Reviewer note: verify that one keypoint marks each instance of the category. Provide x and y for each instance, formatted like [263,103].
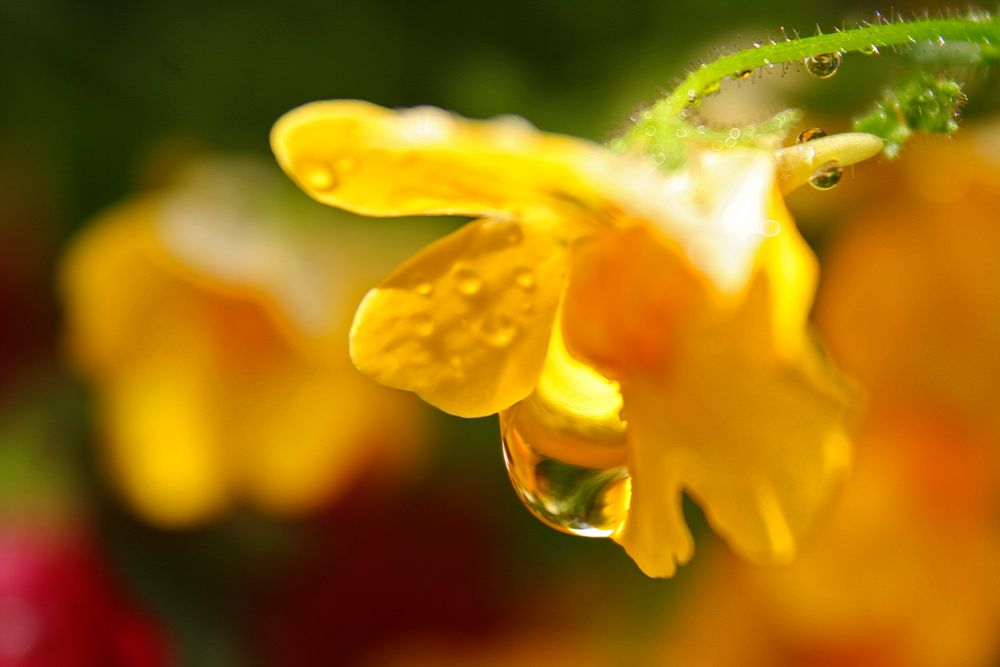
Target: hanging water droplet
[525,279]
[513,234]
[826,176]
[743,75]
[498,329]
[423,325]
[870,50]
[564,447]
[810,134]
[318,176]
[468,282]
[823,65]
[424,289]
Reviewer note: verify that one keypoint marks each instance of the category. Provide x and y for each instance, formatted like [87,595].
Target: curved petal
[466,322]
[628,292]
[760,447]
[378,162]
[712,405]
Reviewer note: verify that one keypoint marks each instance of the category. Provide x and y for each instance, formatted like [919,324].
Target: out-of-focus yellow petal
[466,322]
[375,161]
[161,428]
[107,280]
[781,292]
[293,461]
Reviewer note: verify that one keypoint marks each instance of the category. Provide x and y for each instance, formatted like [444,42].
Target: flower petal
[626,296]
[759,446]
[378,162]
[712,406]
[466,322]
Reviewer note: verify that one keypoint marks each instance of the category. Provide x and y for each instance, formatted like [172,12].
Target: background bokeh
[436,562]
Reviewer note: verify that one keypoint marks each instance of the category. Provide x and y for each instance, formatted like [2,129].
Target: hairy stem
[981,30]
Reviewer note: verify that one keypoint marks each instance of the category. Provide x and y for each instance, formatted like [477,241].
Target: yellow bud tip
[797,164]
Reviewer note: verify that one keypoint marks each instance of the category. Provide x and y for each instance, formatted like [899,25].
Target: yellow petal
[780,297]
[302,454]
[378,162]
[106,281]
[712,407]
[627,294]
[466,322]
[161,430]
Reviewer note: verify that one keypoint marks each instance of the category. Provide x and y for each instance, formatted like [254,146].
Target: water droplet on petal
[468,282]
[319,176]
[651,130]
[498,329]
[810,134]
[525,279]
[423,325]
[826,176]
[514,234]
[564,447]
[424,289]
[823,65]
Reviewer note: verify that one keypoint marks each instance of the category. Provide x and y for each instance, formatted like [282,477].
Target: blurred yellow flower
[679,359]
[904,572]
[210,318]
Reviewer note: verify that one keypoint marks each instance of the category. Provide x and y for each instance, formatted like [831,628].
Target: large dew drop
[564,447]
[826,176]
[823,65]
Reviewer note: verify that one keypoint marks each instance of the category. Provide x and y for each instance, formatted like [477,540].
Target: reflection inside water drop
[826,176]
[564,447]
[823,65]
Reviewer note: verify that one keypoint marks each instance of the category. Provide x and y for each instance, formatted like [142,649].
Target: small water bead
[498,329]
[423,325]
[694,99]
[651,130]
[870,50]
[823,65]
[525,279]
[319,176]
[424,289]
[564,447]
[810,134]
[468,282]
[826,176]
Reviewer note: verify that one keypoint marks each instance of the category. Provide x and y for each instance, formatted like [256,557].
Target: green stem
[985,31]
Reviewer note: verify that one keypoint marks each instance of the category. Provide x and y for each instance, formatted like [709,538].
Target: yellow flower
[680,361]
[210,318]
[903,574]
